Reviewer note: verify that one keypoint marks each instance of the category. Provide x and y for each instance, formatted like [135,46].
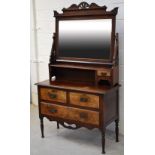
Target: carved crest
[84,5]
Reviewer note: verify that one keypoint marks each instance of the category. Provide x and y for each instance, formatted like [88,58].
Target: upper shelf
[79,66]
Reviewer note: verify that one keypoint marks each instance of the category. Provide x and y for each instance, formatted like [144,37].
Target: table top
[78,87]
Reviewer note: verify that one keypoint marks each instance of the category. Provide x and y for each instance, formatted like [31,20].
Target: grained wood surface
[91,100]
[85,116]
[46,94]
[77,87]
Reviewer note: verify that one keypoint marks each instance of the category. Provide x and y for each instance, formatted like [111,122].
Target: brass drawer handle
[53,110]
[103,74]
[52,96]
[83,99]
[84,115]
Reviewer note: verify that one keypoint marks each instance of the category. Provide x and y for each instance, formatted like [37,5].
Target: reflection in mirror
[85,38]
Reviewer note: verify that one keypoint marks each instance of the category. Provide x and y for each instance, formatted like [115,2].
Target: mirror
[85,38]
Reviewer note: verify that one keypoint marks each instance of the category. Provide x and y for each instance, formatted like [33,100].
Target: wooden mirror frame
[85,11]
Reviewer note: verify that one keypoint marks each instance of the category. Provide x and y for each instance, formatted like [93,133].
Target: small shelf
[78,66]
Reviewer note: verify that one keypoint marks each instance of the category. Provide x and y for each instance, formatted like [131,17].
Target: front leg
[58,125]
[103,141]
[42,127]
[117,130]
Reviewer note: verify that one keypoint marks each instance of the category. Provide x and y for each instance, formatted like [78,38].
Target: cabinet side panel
[110,107]
[115,75]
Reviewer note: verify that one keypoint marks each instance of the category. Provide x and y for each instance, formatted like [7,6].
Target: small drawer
[53,95]
[75,114]
[86,100]
[103,73]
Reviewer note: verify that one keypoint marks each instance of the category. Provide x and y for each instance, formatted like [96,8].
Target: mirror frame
[84,11]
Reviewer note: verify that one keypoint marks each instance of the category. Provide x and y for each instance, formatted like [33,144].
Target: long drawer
[83,99]
[53,95]
[81,115]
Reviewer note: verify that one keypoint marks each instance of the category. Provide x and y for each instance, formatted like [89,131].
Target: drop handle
[84,115]
[53,110]
[83,99]
[103,74]
[52,96]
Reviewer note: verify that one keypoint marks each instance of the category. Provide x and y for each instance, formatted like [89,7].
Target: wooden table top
[77,87]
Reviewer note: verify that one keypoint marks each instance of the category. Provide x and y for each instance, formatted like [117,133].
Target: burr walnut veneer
[82,89]
[82,105]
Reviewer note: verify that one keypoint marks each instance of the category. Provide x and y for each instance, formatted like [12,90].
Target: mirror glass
[85,38]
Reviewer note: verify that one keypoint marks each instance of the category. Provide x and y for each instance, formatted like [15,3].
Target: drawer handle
[83,115]
[53,110]
[83,99]
[52,96]
[103,74]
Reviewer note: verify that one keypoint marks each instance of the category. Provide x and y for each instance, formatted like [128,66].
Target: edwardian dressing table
[82,90]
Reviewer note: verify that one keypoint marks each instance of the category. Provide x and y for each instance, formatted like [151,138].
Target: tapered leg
[58,125]
[117,130]
[42,127]
[103,142]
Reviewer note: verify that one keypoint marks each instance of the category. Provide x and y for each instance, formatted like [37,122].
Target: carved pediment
[85,9]
[84,5]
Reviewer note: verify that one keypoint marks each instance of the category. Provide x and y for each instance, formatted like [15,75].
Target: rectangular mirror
[85,38]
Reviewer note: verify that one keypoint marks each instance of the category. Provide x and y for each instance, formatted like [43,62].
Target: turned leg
[58,125]
[117,130]
[42,127]
[103,142]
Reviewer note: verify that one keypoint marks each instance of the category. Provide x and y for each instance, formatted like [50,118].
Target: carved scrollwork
[83,5]
[70,126]
[53,55]
[114,11]
[95,6]
[91,7]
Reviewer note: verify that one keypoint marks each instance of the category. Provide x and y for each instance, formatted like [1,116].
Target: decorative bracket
[69,126]
[53,50]
[116,48]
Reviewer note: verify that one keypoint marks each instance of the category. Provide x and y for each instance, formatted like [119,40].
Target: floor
[69,142]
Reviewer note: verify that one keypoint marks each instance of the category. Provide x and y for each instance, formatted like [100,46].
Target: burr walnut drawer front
[75,114]
[86,100]
[53,95]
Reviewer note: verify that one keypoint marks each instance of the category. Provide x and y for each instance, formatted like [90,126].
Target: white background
[139,77]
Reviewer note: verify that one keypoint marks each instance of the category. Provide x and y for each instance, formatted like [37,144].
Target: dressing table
[82,89]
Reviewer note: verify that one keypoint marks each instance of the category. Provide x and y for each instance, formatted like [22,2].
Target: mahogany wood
[103,141]
[42,127]
[86,91]
[86,13]
[117,130]
[58,125]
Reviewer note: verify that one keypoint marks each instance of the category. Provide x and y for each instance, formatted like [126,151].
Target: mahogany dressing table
[82,89]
